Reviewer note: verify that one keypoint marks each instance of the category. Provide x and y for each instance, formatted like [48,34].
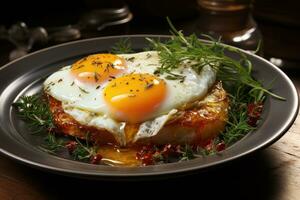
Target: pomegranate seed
[220,146]
[209,145]
[147,159]
[96,159]
[71,145]
[254,111]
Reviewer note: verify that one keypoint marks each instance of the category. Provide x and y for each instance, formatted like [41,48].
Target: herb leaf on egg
[83,90]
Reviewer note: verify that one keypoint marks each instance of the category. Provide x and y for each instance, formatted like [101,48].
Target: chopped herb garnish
[148,55]
[96,76]
[131,59]
[97,63]
[51,83]
[80,66]
[149,85]
[83,90]
[172,76]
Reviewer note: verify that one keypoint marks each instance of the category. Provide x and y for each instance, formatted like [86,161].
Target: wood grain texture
[287,165]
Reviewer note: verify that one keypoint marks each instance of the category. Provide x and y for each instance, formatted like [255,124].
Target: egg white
[85,102]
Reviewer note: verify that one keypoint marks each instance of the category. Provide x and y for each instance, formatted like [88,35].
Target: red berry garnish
[96,159]
[71,145]
[220,146]
[147,159]
[254,111]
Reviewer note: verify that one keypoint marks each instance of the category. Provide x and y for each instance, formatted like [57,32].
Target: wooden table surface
[270,174]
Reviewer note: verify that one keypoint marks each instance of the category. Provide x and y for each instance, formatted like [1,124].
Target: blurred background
[26,26]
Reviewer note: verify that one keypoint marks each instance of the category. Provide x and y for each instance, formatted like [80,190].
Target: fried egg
[108,91]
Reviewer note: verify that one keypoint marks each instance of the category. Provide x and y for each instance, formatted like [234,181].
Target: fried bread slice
[194,123]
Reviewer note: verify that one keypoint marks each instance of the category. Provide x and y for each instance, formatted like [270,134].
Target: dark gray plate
[25,76]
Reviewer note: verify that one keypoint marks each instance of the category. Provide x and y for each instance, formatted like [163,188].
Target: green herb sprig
[122,46]
[34,110]
[181,49]
[83,151]
[52,143]
[187,153]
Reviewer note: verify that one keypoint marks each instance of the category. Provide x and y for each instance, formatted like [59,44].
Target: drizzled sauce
[115,156]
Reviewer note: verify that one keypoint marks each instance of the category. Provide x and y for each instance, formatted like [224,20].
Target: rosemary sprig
[84,152]
[122,46]
[52,143]
[238,118]
[35,112]
[187,153]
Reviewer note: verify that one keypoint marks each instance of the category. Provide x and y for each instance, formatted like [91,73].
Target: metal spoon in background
[92,21]
[99,19]
[26,39]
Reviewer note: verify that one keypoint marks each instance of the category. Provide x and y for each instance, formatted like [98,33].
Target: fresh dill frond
[34,110]
[187,153]
[238,119]
[52,143]
[237,125]
[122,46]
[83,152]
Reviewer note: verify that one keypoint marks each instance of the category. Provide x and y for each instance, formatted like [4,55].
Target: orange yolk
[132,98]
[98,68]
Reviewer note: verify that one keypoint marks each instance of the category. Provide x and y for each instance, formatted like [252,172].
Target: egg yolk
[133,97]
[98,68]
